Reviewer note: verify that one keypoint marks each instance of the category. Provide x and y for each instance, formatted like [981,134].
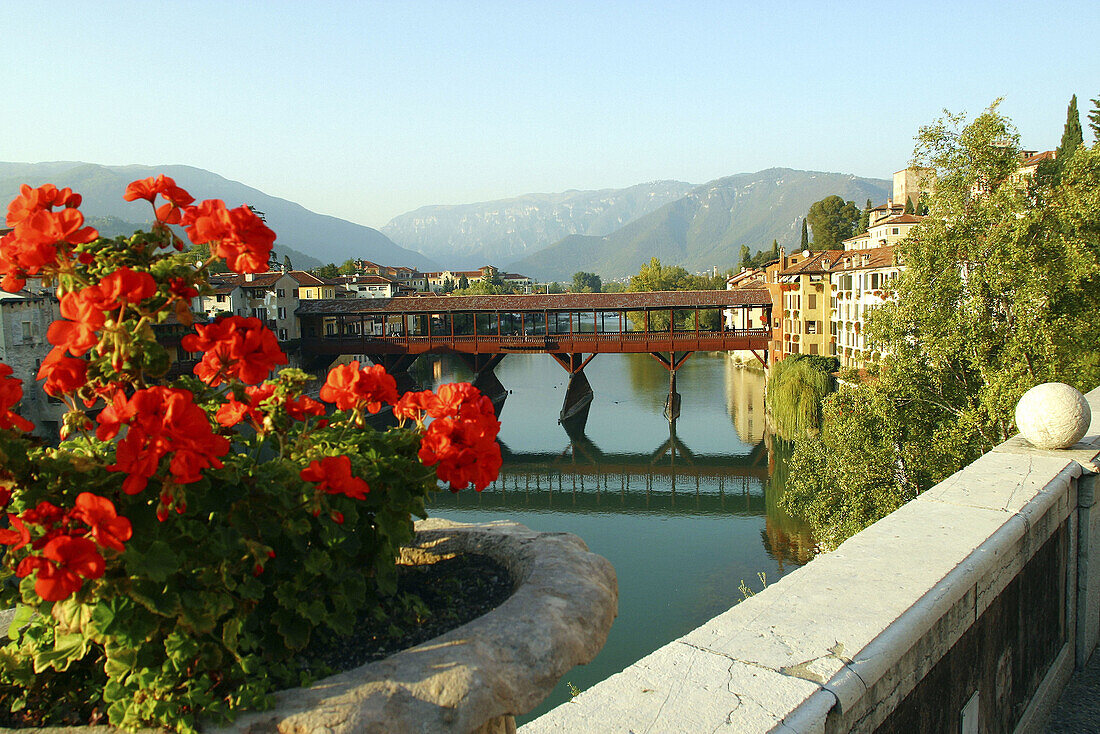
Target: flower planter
[477,677]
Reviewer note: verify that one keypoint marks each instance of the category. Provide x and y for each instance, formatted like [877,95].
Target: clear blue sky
[367,110]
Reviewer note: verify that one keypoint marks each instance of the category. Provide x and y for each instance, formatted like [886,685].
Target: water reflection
[684,511]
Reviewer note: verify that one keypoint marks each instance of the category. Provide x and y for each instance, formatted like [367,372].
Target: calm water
[683,514]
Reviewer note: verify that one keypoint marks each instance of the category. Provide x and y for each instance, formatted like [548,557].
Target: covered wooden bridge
[570,327]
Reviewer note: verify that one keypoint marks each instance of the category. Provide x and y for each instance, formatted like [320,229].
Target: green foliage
[656,277]
[555,287]
[287,263]
[463,282]
[1000,292]
[586,283]
[201,254]
[909,209]
[481,288]
[760,259]
[805,242]
[1094,120]
[1072,136]
[833,220]
[348,267]
[796,387]
[326,271]
[864,219]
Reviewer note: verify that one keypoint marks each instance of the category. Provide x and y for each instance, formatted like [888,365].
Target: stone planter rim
[477,676]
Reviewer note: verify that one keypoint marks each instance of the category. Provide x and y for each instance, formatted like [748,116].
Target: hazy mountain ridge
[308,237]
[504,230]
[706,227]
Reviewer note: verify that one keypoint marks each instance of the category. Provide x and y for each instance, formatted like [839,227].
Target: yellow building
[805,293]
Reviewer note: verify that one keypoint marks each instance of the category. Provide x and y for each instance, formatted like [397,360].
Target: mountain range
[468,236]
[611,232]
[705,227]
[309,238]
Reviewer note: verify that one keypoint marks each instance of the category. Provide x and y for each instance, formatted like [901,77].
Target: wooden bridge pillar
[671,363]
[578,393]
[485,379]
[397,366]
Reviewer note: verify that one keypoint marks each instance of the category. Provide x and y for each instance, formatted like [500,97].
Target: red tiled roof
[877,257]
[816,263]
[431,303]
[900,219]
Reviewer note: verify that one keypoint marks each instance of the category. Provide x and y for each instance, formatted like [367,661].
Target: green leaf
[66,649]
[23,614]
[157,563]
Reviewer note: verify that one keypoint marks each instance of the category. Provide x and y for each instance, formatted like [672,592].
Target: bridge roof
[542,302]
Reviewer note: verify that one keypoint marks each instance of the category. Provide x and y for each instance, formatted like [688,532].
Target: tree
[1094,120]
[1001,292]
[909,208]
[348,267]
[865,219]
[1072,137]
[805,236]
[201,253]
[746,258]
[586,283]
[287,263]
[833,220]
[463,283]
[554,287]
[326,271]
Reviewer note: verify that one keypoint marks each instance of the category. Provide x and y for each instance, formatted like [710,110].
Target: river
[684,513]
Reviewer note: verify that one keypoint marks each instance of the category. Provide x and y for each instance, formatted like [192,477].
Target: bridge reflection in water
[672,479]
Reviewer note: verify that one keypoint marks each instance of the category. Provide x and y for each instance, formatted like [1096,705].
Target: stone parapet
[967,607]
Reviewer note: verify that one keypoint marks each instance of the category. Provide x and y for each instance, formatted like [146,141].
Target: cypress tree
[865,218]
[1094,119]
[1072,137]
[805,235]
[775,249]
[909,205]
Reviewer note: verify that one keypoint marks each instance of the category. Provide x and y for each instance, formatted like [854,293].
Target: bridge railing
[539,339]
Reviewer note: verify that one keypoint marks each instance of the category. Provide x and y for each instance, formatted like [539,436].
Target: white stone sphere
[1053,416]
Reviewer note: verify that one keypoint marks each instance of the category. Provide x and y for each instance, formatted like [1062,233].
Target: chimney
[249,277]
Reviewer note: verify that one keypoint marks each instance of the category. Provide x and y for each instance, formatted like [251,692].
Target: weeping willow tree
[796,387]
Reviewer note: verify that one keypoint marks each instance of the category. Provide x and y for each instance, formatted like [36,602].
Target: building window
[221,299]
[282,312]
[282,335]
[280,293]
[259,313]
[813,301]
[27,331]
[894,230]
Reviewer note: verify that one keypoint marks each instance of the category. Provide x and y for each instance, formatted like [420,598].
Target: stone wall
[964,610]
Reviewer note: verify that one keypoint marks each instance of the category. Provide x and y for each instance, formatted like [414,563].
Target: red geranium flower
[161,421]
[64,561]
[84,309]
[413,405]
[351,388]
[11,392]
[62,374]
[149,188]
[234,347]
[19,536]
[98,513]
[332,474]
[238,234]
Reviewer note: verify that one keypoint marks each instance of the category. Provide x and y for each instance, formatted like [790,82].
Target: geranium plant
[172,556]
